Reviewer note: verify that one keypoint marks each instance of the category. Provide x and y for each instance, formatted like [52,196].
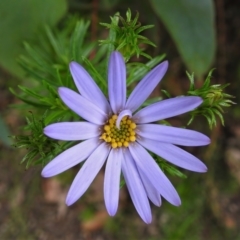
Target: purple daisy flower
[118,132]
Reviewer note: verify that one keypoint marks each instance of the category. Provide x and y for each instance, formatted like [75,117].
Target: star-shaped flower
[118,132]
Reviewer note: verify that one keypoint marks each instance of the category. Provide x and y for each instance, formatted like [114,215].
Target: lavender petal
[70,157]
[155,175]
[71,131]
[81,106]
[112,180]
[146,86]
[167,134]
[151,191]
[121,115]
[135,187]
[88,88]
[166,109]
[87,173]
[117,82]
[174,155]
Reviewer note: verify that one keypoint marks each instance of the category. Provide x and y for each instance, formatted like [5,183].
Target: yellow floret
[114,145]
[107,128]
[133,125]
[132,133]
[132,138]
[111,121]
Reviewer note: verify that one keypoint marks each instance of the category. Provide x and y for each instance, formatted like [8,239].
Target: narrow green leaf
[29,91]
[95,72]
[35,104]
[219,114]
[144,28]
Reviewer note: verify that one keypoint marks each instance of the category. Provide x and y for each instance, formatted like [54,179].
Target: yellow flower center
[119,137]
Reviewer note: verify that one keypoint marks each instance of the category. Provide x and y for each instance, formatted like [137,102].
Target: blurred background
[195,36]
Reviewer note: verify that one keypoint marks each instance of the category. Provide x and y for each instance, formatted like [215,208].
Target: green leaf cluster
[214,99]
[46,66]
[48,58]
[127,38]
[41,149]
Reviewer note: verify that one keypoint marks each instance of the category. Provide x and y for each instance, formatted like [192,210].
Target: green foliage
[21,20]
[214,99]
[191,25]
[48,59]
[137,70]
[47,63]
[41,149]
[167,167]
[127,39]
[52,100]
[4,136]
